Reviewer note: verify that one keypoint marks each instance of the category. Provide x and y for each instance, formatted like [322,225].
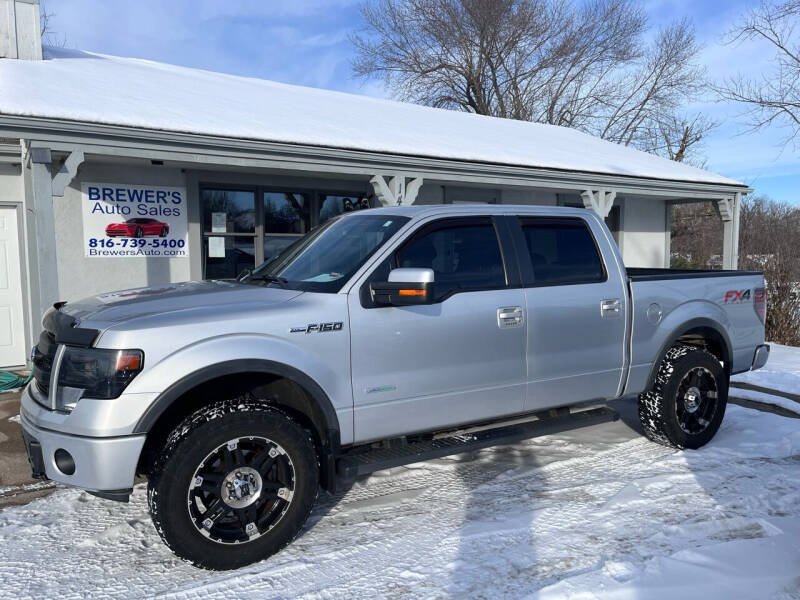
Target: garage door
[12,341]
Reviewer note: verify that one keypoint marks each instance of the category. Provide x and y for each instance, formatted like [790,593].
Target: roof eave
[201,149]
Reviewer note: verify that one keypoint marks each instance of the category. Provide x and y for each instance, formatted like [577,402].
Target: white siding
[644,236]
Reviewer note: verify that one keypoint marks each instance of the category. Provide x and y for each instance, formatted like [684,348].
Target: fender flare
[682,329]
[328,428]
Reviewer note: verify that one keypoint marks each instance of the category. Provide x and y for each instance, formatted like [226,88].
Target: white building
[236,168]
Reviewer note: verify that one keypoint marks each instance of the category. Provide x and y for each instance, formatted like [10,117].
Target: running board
[357,462]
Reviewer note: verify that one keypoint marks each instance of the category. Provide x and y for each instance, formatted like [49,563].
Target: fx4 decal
[732,296]
[318,327]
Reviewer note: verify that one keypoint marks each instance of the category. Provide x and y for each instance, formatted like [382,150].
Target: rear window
[562,251]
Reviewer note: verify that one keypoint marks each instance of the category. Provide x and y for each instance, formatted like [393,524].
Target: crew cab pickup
[381,338]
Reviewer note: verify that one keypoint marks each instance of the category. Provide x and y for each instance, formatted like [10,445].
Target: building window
[229,211]
[229,232]
[287,217]
[332,205]
[243,227]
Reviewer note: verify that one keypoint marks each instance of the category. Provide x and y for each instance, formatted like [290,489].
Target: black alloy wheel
[241,490]
[696,401]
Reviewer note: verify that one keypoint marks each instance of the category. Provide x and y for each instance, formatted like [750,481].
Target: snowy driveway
[599,512]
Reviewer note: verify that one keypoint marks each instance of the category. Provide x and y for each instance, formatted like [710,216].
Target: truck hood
[104,310]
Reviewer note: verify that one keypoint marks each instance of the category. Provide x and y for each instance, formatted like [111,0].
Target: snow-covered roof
[97,88]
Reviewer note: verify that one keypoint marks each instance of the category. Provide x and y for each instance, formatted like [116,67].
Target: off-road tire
[189,445]
[659,407]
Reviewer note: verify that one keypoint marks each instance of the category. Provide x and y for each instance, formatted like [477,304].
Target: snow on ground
[595,513]
[782,371]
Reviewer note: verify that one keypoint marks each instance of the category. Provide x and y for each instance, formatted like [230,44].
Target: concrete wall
[644,234]
[80,276]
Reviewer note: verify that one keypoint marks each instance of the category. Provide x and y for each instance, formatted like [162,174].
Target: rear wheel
[686,405]
[234,484]
[139,233]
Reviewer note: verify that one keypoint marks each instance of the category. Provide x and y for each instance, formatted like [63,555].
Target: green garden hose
[11,381]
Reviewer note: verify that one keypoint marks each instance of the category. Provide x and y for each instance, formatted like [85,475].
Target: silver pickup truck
[382,338]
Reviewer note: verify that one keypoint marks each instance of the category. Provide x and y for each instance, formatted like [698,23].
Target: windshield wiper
[269,279]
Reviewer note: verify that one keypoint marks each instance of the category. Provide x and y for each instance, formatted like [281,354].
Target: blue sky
[306,42]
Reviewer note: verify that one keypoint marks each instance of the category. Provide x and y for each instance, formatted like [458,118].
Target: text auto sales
[148,203]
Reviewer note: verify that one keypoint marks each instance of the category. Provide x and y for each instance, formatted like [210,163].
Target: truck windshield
[327,257]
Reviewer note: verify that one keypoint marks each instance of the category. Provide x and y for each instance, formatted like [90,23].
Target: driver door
[426,367]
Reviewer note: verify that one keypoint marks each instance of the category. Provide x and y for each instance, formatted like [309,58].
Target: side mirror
[405,287]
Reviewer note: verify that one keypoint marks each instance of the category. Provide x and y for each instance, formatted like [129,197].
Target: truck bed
[652,274]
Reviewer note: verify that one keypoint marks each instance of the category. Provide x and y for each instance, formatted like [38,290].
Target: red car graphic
[137,228]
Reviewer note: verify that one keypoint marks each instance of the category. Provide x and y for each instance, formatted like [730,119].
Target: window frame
[528,273]
[259,234]
[504,243]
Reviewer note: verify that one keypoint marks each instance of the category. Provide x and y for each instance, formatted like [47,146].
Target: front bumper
[98,464]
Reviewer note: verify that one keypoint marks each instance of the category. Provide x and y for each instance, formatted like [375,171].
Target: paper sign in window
[216,247]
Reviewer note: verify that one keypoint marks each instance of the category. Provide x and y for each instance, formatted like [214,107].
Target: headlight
[95,373]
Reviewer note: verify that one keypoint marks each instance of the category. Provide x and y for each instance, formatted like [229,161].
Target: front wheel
[686,404]
[163,232]
[233,485]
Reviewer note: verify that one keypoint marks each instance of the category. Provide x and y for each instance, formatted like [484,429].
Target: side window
[463,257]
[562,251]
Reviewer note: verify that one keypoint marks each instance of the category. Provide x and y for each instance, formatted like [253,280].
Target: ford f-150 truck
[381,338]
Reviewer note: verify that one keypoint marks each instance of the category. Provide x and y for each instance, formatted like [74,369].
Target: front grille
[43,355]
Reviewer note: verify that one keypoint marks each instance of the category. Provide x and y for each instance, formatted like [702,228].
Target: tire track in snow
[499,522]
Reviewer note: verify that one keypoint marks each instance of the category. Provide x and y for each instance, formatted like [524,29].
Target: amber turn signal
[129,361]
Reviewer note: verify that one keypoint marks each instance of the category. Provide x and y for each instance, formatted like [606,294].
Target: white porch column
[600,200]
[728,211]
[394,190]
[42,251]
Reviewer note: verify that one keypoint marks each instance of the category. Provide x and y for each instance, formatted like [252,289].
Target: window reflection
[332,205]
[227,256]
[229,211]
[286,212]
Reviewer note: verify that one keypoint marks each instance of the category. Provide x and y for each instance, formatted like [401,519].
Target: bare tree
[774,97]
[696,236]
[769,241]
[49,36]
[584,65]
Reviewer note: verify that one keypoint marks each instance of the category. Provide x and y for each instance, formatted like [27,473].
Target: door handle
[610,308]
[509,316]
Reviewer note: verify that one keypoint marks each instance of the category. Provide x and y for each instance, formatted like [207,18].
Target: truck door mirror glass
[405,287]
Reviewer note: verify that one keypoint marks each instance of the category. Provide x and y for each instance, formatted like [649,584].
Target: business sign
[121,220]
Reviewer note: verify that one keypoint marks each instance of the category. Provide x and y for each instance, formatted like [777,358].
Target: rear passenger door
[458,360]
[576,307]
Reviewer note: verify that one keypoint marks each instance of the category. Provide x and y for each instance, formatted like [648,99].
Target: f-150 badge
[318,327]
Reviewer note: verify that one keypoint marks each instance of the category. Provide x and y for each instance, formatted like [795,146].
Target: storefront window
[245,227]
[228,256]
[229,211]
[286,213]
[332,205]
